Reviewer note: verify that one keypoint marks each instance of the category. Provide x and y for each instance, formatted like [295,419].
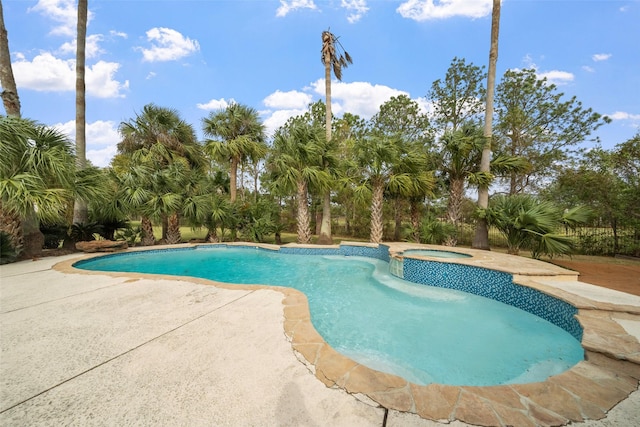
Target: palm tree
[333,57]
[379,162]
[36,172]
[241,137]
[461,151]
[167,145]
[80,210]
[481,239]
[295,164]
[528,223]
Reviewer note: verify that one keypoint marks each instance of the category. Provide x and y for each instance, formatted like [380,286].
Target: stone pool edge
[588,390]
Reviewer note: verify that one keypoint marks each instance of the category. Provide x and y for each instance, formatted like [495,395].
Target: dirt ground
[621,277]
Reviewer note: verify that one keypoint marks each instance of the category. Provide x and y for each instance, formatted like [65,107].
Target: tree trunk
[80,210]
[304,229]
[173,229]
[165,228]
[233,175]
[33,237]
[10,97]
[10,223]
[376,213]
[454,208]
[415,220]
[212,235]
[148,238]
[397,231]
[325,230]
[481,238]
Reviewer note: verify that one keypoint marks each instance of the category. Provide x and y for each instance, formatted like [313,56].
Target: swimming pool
[424,334]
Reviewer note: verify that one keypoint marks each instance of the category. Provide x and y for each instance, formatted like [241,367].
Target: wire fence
[587,240]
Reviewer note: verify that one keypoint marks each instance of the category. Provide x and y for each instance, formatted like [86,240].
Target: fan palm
[241,137]
[295,164]
[528,223]
[37,171]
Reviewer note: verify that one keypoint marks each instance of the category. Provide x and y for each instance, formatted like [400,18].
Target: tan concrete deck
[81,348]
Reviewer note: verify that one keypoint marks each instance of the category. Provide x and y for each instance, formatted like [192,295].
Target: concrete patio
[126,349]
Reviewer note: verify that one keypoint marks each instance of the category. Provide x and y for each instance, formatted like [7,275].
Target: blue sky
[197,56]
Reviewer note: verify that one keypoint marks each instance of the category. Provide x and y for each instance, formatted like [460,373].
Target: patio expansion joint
[124,353]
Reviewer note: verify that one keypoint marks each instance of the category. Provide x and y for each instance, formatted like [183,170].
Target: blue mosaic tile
[310,251]
[381,252]
[496,285]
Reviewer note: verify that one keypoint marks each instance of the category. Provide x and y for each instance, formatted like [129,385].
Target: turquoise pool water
[436,253]
[424,334]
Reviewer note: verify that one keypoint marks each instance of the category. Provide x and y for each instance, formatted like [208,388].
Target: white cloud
[288,100]
[216,104]
[620,115]
[601,57]
[115,33]
[556,77]
[100,82]
[361,98]
[102,138]
[273,120]
[588,69]
[423,10]
[63,12]
[150,75]
[92,47]
[357,8]
[168,45]
[290,6]
[46,73]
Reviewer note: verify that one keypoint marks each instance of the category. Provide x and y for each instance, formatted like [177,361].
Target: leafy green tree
[241,136]
[459,98]
[534,122]
[296,163]
[606,181]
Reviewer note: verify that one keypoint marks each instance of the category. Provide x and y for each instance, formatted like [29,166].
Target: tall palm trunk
[10,97]
[304,221]
[376,212]
[325,229]
[148,238]
[173,229]
[80,210]
[481,239]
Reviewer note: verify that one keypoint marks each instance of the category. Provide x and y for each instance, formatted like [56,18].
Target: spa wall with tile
[496,285]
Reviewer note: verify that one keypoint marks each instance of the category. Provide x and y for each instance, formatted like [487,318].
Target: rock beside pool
[102,246]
